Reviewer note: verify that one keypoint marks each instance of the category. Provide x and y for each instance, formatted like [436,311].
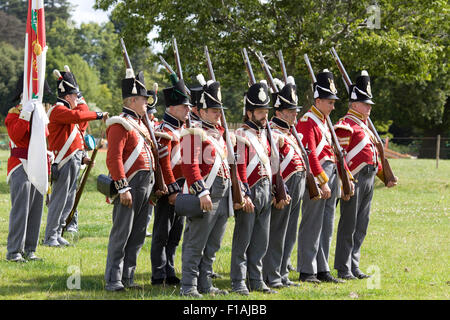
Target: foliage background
[406,55]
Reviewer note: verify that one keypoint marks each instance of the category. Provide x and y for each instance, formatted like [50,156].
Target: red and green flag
[35,51]
[33,91]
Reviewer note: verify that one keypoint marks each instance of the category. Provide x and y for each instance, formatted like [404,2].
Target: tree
[54,9]
[91,51]
[87,78]
[16,8]
[57,9]
[409,47]
[11,60]
[12,30]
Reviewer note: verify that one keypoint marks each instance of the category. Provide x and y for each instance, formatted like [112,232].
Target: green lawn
[407,248]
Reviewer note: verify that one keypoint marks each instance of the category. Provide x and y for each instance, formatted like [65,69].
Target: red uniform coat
[291,160]
[19,130]
[63,120]
[198,154]
[246,152]
[312,138]
[123,140]
[168,134]
[358,141]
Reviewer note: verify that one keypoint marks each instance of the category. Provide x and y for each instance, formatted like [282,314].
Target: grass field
[407,248]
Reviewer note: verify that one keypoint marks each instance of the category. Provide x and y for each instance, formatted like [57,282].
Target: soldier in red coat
[207,173]
[167,226]
[284,221]
[359,143]
[316,226]
[251,231]
[26,201]
[131,166]
[68,121]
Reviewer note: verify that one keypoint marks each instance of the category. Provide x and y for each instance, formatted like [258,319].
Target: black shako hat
[176,94]
[196,94]
[134,85]
[324,87]
[286,97]
[211,96]
[66,82]
[361,91]
[257,97]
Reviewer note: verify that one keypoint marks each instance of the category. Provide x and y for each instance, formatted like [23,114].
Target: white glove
[27,109]
[29,106]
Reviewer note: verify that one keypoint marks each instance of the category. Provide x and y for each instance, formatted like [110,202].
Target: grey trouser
[283,233]
[354,221]
[128,230]
[202,239]
[167,230]
[27,205]
[62,198]
[316,227]
[251,238]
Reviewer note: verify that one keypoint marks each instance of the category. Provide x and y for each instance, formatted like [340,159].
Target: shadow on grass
[91,287]
[57,287]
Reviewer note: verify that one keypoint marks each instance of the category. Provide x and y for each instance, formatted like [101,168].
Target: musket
[343,173]
[82,184]
[170,71]
[177,59]
[160,186]
[180,75]
[313,188]
[280,190]
[282,65]
[387,170]
[248,67]
[235,184]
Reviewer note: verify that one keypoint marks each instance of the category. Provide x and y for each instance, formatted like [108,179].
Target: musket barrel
[125,55]
[266,70]
[344,73]
[166,65]
[248,67]
[170,71]
[177,59]
[283,66]
[209,65]
[310,69]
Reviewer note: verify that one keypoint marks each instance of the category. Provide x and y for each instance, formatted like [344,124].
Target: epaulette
[163,135]
[194,131]
[235,138]
[344,126]
[279,138]
[118,120]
